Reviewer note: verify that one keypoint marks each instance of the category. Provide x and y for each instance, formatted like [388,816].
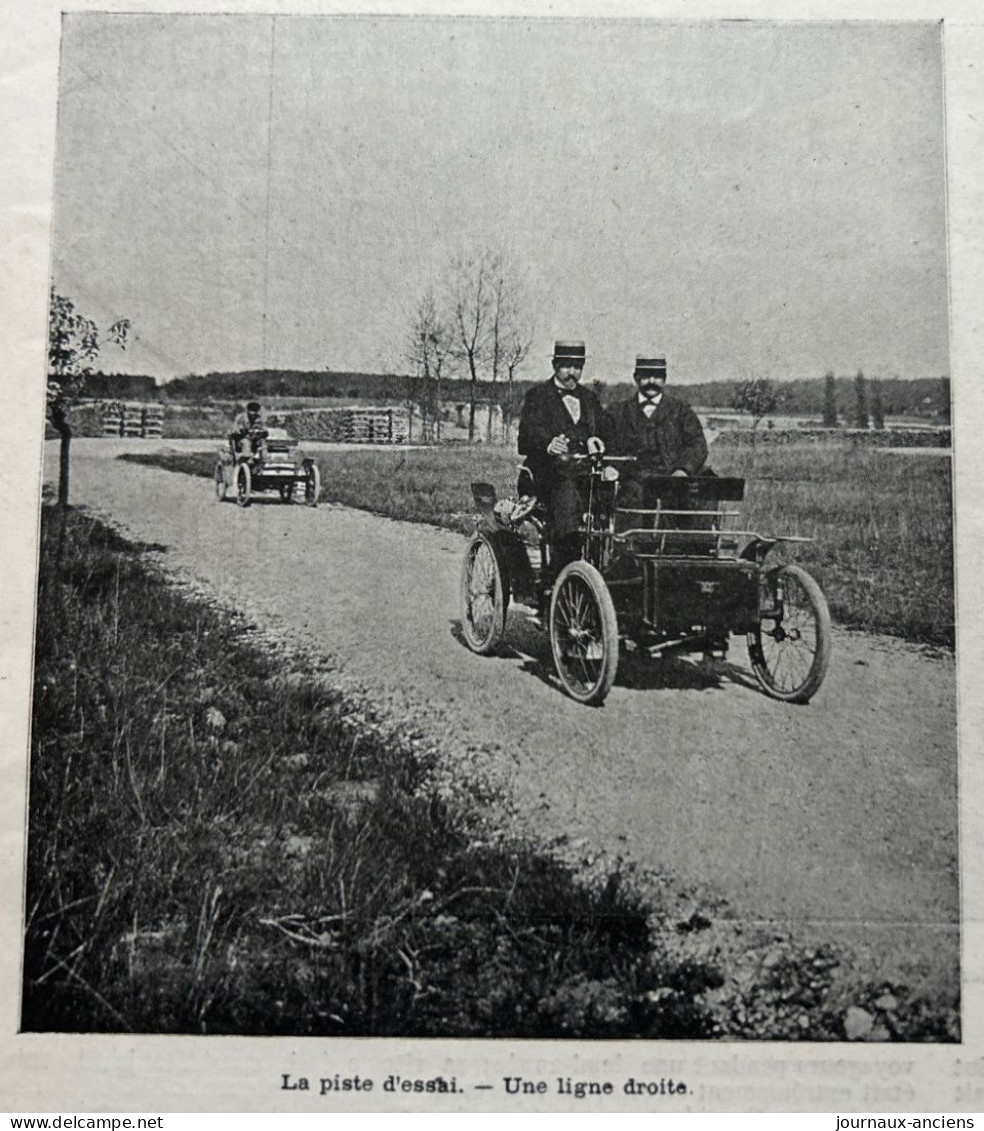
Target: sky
[747,199]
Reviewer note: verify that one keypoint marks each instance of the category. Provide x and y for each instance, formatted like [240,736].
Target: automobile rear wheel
[584,633]
[244,484]
[790,648]
[484,597]
[220,481]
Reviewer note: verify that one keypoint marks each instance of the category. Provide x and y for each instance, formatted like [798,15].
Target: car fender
[758,549]
[513,560]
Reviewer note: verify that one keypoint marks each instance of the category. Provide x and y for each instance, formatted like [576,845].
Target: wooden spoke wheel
[584,633]
[484,597]
[312,484]
[790,647]
[244,484]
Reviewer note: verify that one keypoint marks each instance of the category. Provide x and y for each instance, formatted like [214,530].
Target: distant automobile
[267,459]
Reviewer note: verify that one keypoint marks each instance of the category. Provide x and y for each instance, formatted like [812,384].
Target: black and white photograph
[495,539]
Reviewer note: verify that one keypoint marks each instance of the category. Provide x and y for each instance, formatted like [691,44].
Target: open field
[883,549]
[882,524]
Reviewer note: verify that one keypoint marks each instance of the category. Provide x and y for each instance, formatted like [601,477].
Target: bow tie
[649,402]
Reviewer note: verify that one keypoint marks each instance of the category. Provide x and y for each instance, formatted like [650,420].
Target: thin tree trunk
[472,390]
[64,453]
[438,411]
[495,366]
[59,420]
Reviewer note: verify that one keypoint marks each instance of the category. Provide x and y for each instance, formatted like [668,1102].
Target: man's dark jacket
[673,436]
[545,416]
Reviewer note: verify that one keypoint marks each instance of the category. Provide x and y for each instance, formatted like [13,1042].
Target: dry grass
[881,524]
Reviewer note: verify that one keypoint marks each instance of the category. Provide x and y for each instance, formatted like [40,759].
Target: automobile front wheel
[312,485]
[244,484]
[584,633]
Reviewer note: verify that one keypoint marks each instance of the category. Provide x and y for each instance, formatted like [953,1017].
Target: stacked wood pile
[112,418]
[132,419]
[152,422]
[349,425]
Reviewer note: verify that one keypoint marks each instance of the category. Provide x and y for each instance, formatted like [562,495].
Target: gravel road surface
[836,821]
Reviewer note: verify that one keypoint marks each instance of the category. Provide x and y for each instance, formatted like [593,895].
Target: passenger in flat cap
[558,418]
[654,423]
[661,430]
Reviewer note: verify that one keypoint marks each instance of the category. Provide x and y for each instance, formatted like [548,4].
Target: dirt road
[837,820]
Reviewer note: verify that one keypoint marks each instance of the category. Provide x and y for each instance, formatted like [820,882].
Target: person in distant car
[559,417]
[249,425]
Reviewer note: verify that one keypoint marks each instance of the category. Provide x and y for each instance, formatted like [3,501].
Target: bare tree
[73,346]
[513,327]
[470,300]
[428,349]
[517,349]
[478,321]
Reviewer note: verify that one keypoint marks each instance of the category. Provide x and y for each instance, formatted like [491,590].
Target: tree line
[838,400]
[383,388]
[927,397]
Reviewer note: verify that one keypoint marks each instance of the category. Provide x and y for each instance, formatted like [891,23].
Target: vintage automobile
[676,574]
[268,459]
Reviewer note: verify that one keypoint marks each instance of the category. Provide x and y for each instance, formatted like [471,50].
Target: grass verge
[220,842]
[881,522]
[217,845]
